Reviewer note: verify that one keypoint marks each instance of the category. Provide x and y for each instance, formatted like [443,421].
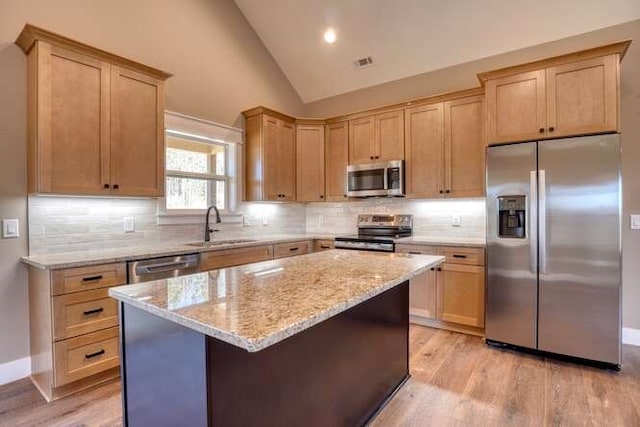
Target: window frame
[200,130]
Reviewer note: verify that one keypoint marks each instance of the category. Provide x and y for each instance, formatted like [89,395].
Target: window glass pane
[187,161]
[219,161]
[187,193]
[190,193]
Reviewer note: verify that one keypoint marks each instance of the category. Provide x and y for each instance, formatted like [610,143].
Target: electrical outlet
[265,220]
[10,228]
[246,221]
[635,222]
[456,220]
[129,224]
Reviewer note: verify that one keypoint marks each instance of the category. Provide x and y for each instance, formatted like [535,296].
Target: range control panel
[385,220]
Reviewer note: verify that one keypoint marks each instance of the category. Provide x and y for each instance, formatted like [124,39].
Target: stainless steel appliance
[553,247]
[376,179]
[377,232]
[162,268]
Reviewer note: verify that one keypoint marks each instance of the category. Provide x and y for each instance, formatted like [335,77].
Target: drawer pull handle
[415,253]
[459,256]
[294,249]
[92,278]
[94,311]
[325,247]
[96,354]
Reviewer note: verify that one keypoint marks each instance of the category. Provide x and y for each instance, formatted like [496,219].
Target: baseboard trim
[631,336]
[15,370]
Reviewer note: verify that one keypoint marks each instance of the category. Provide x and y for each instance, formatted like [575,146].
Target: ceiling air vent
[367,61]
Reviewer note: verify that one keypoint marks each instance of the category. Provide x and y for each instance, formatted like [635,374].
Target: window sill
[186,218]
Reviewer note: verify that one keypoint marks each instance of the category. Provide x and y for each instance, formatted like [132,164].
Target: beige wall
[464,76]
[220,68]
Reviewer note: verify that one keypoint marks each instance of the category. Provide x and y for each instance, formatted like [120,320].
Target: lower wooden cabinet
[450,296]
[323,245]
[232,257]
[283,250]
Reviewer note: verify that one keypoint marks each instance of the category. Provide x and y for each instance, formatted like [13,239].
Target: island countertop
[257,305]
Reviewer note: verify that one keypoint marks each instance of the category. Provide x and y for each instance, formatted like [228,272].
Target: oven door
[367,180]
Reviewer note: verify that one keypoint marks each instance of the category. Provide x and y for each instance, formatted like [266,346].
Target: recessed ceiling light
[330,36]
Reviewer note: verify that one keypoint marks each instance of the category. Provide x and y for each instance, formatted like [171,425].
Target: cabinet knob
[344,195]
[116,186]
[441,191]
[105,185]
[551,129]
[322,196]
[541,130]
[439,268]
[370,157]
[432,268]
[447,191]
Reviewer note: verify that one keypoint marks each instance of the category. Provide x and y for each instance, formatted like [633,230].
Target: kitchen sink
[219,242]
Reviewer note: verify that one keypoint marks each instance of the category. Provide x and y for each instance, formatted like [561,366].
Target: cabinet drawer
[417,249]
[283,250]
[86,278]
[86,355]
[83,312]
[469,256]
[323,245]
[232,257]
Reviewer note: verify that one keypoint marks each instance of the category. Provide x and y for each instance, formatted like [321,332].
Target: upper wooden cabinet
[575,94]
[336,160]
[310,169]
[444,149]
[95,120]
[376,138]
[270,156]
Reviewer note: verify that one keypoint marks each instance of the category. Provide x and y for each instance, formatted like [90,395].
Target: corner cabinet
[576,94]
[95,120]
[445,149]
[270,156]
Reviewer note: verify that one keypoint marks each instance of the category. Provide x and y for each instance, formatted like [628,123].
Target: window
[196,173]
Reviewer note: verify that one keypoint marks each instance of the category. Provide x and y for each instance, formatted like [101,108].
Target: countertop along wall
[220,68]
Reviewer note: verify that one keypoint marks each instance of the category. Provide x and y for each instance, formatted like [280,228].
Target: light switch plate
[129,224]
[635,222]
[456,220]
[265,220]
[10,228]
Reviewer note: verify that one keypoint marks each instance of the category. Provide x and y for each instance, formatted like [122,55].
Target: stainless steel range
[377,232]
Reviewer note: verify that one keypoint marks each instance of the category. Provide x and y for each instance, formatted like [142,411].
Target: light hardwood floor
[456,380]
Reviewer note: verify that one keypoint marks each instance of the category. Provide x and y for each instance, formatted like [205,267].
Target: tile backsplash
[70,224]
[430,217]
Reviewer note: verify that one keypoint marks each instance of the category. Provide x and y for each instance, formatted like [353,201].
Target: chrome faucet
[207,229]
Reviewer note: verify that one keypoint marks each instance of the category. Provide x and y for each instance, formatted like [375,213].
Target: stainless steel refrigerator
[553,246]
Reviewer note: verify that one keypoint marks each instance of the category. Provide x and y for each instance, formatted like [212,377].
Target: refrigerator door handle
[542,221]
[533,221]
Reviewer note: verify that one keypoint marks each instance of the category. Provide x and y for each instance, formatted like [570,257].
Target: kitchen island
[318,339]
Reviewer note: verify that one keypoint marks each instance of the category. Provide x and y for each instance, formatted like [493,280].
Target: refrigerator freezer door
[512,287]
[580,267]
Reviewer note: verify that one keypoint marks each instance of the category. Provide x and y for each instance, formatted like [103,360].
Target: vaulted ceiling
[409,37]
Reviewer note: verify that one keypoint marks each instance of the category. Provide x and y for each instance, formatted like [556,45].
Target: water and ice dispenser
[511,217]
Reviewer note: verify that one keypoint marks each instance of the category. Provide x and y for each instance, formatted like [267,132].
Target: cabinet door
[310,163]
[464,147]
[270,158]
[287,161]
[424,151]
[389,136]
[137,134]
[461,294]
[582,97]
[516,107]
[423,295]
[72,116]
[336,159]
[361,140]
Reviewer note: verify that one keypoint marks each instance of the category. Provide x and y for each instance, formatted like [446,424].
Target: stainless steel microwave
[376,179]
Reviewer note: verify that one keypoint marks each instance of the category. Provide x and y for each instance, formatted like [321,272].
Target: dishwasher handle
[167,265]
[159,268]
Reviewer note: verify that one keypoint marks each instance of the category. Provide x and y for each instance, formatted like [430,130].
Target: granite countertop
[103,256]
[470,242]
[257,305]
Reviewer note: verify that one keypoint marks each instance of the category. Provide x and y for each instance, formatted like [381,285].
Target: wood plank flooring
[456,381]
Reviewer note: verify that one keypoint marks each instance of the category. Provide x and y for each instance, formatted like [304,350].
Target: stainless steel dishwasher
[146,270]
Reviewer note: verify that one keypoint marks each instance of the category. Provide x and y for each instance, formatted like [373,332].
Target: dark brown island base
[335,362]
